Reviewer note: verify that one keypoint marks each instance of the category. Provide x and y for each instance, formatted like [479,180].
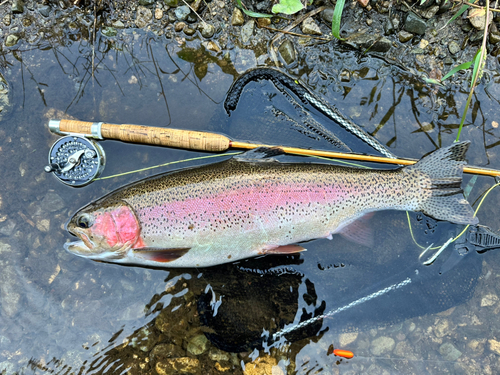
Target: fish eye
[83,221]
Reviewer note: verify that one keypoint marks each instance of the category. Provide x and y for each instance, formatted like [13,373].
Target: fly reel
[75,160]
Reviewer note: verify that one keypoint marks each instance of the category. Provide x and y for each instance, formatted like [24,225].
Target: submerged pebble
[449,352]
[197,345]
[287,52]
[382,345]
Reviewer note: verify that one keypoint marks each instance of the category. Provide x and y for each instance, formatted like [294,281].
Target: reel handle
[186,139]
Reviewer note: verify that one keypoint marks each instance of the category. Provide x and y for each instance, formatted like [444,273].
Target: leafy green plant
[288,6]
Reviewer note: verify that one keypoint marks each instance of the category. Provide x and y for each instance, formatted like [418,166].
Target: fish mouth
[78,248]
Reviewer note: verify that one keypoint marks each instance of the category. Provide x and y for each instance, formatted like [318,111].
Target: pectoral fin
[160,255]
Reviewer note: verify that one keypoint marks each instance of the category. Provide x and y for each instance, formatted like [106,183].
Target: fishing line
[461,233]
[165,164]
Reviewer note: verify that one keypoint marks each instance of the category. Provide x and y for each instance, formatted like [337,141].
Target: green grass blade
[250,13]
[477,66]
[337,15]
[465,65]
[458,14]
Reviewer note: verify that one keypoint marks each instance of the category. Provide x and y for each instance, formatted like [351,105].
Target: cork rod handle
[187,139]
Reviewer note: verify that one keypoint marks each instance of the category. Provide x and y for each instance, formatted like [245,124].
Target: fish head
[106,231]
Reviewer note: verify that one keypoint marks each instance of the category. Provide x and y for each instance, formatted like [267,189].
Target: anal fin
[160,255]
[286,249]
[359,231]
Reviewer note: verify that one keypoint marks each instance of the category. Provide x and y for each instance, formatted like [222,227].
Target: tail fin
[445,167]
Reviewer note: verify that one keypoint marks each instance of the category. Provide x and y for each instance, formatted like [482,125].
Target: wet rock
[449,352]
[172,325]
[431,12]
[143,16]
[247,31]
[371,41]
[211,46]
[44,10]
[310,27]
[118,24]
[7,20]
[17,6]
[145,340]
[206,30]
[494,346]
[453,47]
[158,13]
[182,12]
[237,18]
[191,18]
[217,355]
[161,352]
[389,27]
[347,338]
[11,40]
[415,24]
[262,365]
[423,43]
[177,365]
[172,3]
[179,26]
[489,300]
[146,2]
[287,52]
[197,345]
[189,31]
[477,18]
[327,15]
[476,37]
[263,22]
[444,5]
[494,37]
[382,345]
[109,32]
[404,36]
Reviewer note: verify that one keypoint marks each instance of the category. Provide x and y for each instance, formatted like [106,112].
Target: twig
[482,62]
[290,27]
[463,2]
[3,2]
[295,34]
[202,20]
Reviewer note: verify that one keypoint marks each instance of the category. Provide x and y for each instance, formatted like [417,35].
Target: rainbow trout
[249,205]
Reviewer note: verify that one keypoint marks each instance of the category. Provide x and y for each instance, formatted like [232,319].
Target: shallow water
[64,314]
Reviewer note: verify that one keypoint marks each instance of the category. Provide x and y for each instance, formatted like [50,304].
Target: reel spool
[75,160]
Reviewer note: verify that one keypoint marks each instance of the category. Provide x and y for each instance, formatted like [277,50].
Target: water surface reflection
[63,314]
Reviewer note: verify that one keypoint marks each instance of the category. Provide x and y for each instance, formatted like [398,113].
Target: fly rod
[185,139]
